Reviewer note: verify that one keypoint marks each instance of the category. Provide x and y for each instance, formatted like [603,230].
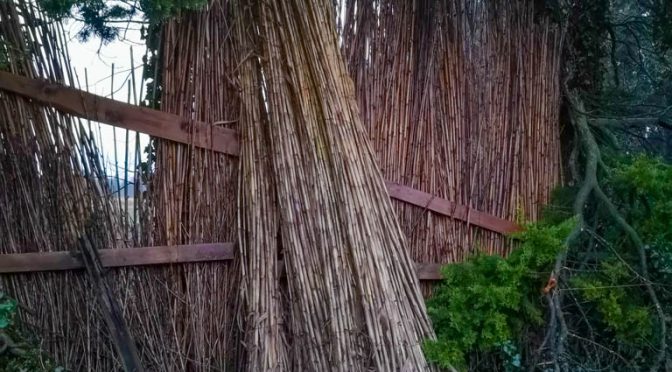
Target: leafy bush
[489,306]
[7,310]
[612,285]
[484,304]
[622,314]
[16,355]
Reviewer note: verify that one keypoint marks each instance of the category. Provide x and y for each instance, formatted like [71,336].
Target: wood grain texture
[93,107]
[428,271]
[448,208]
[65,260]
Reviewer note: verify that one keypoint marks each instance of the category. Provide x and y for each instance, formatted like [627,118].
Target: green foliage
[625,316]
[4,56]
[156,10]
[484,303]
[646,185]
[7,311]
[662,24]
[610,282]
[102,18]
[17,355]
[589,25]
[643,186]
[490,305]
[151,73]
[97,15]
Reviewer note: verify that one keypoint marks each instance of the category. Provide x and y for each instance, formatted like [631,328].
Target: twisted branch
[590,185]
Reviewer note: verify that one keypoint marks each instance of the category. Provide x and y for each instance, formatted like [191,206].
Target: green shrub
[484,303]
[621,313]
[16,355]
[487,306]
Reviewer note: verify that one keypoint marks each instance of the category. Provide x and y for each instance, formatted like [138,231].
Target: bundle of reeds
[460,99]
[193,192]
[353,298]
[53,196]
[53,186]
[262,312]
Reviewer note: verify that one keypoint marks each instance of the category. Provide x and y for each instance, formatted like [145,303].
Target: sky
[95,62]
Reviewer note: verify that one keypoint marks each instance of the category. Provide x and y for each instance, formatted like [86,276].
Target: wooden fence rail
[161,255]
[175,128]
[448,208]
[141,119]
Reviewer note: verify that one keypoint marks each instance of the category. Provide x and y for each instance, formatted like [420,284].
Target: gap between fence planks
[175,128]
[161,255]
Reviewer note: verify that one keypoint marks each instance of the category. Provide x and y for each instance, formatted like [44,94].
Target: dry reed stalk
[460,99]
[354,299]
[179,317]
[193,193]
[52,189]
[258,214]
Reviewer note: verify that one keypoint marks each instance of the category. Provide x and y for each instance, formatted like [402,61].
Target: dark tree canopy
[106,19]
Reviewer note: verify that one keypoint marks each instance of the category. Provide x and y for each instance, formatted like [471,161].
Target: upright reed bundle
[52,193]
[194,190]
[52,186]
[460,99]
[354,299]
[258,216]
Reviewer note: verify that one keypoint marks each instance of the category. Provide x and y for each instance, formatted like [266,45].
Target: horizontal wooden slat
[153,122]
[428,271]
[60,261]
[172,127]
[448,208]
[55,261]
